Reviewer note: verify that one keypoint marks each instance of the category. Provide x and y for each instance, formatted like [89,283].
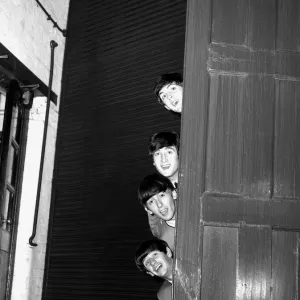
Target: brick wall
[26,32]
[29,261]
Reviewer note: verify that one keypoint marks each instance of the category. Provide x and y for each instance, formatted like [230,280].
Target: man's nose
[164,157]
[159,203]
[170,96]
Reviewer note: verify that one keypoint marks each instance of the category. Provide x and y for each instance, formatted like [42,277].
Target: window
[11,120]
[2,107]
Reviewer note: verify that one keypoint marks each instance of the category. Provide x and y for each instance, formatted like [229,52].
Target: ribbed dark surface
[115,51]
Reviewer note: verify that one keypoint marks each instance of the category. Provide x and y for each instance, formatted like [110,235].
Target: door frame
[187,263]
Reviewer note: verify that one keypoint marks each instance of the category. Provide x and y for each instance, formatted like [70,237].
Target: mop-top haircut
[147,247]
[164,80]
[163,139]
[153,185]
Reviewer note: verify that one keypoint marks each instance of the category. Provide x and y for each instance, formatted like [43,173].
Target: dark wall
[115,50]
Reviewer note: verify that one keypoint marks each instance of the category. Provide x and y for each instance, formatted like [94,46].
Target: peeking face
[171,96]
[166,162]
[159,264]
[162,205]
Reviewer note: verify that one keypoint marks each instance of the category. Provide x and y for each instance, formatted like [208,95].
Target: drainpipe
[53,44]
[49,18]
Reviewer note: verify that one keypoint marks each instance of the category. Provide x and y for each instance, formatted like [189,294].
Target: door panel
[220,252]
[225,109]
[287,148]
[254,270]
[288,25]
[238,216]
[238,151]
[285,263]
[244,22]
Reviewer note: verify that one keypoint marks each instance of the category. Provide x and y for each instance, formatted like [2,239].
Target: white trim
[2,91]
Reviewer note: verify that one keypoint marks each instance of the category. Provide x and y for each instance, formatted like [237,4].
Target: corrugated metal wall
[115,51]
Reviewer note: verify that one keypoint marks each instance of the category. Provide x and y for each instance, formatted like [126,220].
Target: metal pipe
[53,44]
[55,25]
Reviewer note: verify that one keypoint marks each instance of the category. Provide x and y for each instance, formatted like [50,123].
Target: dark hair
[147,247]
[152,185]
[163,139]
[165,79]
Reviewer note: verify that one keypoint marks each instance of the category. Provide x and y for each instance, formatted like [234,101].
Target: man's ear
[153,160]
[169,252]
[148,211]
[149,273]
[174,194]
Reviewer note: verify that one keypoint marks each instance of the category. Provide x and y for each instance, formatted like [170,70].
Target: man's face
[166,162]
[162,205]
[159,263]
[171,96]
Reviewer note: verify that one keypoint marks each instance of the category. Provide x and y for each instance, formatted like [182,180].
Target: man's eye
[173,88]
[162,195]
[170,152]
[156,153]
[162,97]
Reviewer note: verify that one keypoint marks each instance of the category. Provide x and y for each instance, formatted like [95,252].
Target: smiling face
[171,96]
[162,205]
[166,162]
[159,264]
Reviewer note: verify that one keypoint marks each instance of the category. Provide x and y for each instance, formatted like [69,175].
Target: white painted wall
[26,32]
[29,261]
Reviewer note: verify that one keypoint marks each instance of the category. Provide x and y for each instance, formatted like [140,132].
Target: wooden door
[238,219]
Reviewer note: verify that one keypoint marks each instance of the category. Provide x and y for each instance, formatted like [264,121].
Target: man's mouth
[157,267]
[174,103]
[164,211]
[165,167]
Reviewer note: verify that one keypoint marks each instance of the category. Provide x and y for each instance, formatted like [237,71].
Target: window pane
[15,123]
[10,211]
[7,209]
[12,165]
[2,107]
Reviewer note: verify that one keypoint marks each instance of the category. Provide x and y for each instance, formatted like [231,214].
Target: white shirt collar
[171,223]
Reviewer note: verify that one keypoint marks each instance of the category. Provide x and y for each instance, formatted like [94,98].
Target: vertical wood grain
[239,155]
[250,23]
[254,270]
[244,93]
[192,152]
[287,145]
[225,136]
[229,21]
[285,258]
[261,24]
[288,25]
[220,247]
[258,116]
